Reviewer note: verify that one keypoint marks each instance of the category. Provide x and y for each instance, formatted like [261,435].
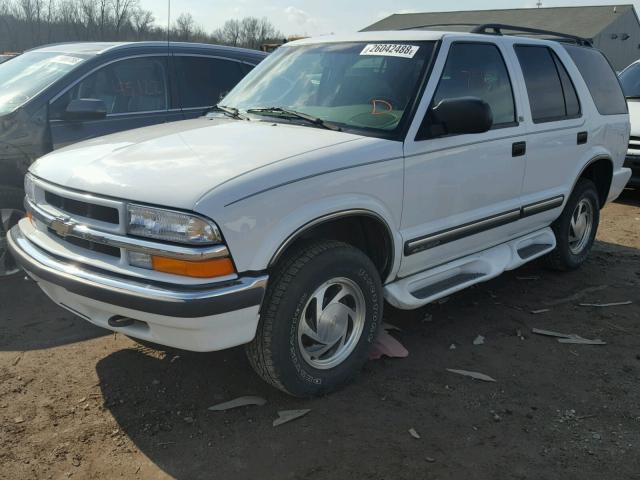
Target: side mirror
[85,109]
[456,116]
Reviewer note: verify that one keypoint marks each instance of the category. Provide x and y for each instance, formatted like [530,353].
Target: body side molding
[478,226]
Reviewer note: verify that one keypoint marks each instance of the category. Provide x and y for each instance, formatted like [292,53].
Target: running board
[534,249]
[446,284]
[425,287]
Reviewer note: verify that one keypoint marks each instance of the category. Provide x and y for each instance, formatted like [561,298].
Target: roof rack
[496,29]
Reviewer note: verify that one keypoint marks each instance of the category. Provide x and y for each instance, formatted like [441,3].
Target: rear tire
[11,211]
[320,316]
[576,228]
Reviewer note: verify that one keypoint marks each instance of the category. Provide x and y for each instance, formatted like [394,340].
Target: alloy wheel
[581,226]
[331,323]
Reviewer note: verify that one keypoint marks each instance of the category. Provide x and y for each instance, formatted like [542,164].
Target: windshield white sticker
[390,50]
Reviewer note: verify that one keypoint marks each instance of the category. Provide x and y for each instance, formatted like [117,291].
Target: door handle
[518,149]
[582,137]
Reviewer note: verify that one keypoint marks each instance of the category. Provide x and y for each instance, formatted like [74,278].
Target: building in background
[613,29]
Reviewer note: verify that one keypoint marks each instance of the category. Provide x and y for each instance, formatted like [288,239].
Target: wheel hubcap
[8,218]
[580,226]
[331,323]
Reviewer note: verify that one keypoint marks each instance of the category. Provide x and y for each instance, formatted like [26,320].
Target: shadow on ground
[518,425]
[29,320]
[630,196]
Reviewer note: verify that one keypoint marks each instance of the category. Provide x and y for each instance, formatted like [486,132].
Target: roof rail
[496,29]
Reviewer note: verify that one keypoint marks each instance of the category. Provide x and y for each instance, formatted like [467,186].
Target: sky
[319,17]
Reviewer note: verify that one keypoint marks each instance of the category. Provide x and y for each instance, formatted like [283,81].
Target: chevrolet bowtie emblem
[62,226]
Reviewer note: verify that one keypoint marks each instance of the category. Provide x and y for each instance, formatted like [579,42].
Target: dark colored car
[57,95]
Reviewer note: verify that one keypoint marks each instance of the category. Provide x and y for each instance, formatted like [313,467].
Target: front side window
[478,70]
[28,74]
[127,86]
[367,87]
[203,82]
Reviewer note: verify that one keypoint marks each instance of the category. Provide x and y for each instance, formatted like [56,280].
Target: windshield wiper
[284,112]
[230,112]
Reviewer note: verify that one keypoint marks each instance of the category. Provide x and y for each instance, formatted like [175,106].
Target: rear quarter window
[600,78]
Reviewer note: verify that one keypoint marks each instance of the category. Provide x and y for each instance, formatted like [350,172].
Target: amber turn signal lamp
[217,267]
[30,216]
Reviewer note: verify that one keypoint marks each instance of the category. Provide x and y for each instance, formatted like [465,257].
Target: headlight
[29,188]
[171,226]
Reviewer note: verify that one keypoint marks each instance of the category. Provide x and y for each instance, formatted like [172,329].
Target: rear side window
[203,81]
[552,96]
[600,78]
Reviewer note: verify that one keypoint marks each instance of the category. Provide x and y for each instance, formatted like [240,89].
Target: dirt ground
[77,401]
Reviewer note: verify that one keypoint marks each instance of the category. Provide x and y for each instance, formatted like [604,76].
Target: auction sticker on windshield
[390,50]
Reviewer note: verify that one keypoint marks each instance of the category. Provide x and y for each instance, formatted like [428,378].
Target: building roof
[584,22]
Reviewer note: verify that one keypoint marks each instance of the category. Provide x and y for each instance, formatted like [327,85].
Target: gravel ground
[77,401]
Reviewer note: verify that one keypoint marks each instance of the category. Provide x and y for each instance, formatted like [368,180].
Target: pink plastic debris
[386,345]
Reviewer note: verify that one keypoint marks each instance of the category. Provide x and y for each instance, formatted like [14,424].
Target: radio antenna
[168,21]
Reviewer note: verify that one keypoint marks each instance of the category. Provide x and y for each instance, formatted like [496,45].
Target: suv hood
[175,164]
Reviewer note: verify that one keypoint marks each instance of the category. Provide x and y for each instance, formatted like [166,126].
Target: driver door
[462,192]
[134,92]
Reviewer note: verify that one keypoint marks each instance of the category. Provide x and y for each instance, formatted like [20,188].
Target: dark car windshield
[25,76]
[357,85]
[630,80]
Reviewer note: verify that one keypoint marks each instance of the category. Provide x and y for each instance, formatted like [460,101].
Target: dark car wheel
[11,211]
[576,228]
[320,316]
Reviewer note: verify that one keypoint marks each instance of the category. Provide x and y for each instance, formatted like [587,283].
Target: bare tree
[142,22]
[103,17]
[121,13]
[229,34]
[28,23]
[185,26]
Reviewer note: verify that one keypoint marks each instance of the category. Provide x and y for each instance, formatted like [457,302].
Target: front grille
[88,245]
[83,209]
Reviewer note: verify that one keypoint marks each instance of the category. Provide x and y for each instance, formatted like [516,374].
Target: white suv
[341,172]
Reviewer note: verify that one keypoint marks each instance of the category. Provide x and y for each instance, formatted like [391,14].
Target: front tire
[11,211]
[576,228]
[320,316]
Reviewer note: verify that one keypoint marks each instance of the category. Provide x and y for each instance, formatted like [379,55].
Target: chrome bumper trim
[78,230]
[157,298]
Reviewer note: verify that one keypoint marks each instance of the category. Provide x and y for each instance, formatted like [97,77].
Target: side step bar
[534,249]
[446,284]
[425,287]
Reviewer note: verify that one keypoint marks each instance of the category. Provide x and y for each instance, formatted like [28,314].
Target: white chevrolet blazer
[341,173]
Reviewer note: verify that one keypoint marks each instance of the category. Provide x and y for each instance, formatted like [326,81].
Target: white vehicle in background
[341,172]
[630,80]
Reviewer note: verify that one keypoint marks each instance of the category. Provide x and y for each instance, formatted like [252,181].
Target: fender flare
[596,158]
[330,217]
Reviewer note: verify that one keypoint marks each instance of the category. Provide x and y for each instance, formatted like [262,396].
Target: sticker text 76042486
[390,50]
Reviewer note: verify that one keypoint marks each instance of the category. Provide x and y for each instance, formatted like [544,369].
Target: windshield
[25,76]
[356,86]
[630,80]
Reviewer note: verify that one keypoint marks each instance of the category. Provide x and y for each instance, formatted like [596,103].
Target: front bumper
[201,318]
[633,162]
